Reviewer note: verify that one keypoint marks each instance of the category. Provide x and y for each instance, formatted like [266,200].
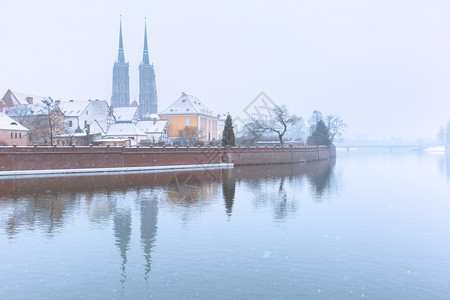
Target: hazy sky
[383,66]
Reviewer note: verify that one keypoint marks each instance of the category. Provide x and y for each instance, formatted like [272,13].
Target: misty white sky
[382,65]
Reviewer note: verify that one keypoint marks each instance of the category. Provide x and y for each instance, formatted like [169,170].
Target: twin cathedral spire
[148,100]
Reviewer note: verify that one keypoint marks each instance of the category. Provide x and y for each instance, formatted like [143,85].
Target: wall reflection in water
[129,202]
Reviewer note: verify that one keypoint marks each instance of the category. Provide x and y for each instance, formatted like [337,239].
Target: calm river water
[372,224]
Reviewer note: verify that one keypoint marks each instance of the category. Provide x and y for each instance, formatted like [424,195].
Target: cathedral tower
[121,81]
[148,99]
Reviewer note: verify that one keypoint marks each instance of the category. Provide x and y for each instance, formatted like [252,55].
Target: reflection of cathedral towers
[149,226]
[121,81]
[123,219]
[122,232]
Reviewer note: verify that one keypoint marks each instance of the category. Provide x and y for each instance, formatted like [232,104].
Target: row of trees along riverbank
[319,131]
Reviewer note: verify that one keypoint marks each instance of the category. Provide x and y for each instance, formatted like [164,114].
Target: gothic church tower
[148,99]
[121,81]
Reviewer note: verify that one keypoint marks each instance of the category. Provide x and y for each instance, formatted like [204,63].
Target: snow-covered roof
[7,123]
[37,109]
[123,129]
[73,108]
[96,128]
[152,127]
[187,105]
[125,114]
[21,98]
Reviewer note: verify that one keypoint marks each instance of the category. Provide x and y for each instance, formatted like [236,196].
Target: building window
[85,124]
[20,135]
[70,123]
[87,113]
[15,135]
[12,135]
[187,121]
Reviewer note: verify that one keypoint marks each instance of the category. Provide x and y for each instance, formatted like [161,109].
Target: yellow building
[189,117]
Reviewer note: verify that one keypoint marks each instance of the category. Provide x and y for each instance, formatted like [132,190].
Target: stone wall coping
[121,149]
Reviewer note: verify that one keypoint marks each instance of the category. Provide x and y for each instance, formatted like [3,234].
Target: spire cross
[145,59]
[121,56]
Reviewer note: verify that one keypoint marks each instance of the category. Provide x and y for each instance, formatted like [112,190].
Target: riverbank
[62,160]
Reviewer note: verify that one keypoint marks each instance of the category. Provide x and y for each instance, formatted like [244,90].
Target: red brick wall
[276,155]
[40,158]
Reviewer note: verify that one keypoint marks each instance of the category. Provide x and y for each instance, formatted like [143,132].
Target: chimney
[88,128]
[112,108]
[1,106]
[30,100]
[154,121]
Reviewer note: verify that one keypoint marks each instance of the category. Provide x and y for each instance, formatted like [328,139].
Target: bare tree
[279,123]
[251,134]
[336,127]
[298,131]
[49,103]
[189,136]
[20,113]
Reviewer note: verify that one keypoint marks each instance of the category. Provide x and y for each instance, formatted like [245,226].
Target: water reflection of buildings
[45,203]
[45,212]
[149,225]
[122,231]
[111,201]
[193,187]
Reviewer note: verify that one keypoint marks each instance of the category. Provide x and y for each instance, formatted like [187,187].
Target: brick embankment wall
[50,158]
[276,155]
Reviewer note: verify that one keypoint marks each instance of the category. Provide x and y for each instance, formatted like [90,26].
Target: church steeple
[148,99]
[121,80]
[121,57]
[145,60]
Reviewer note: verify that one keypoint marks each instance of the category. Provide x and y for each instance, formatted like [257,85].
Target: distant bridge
[415,147]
